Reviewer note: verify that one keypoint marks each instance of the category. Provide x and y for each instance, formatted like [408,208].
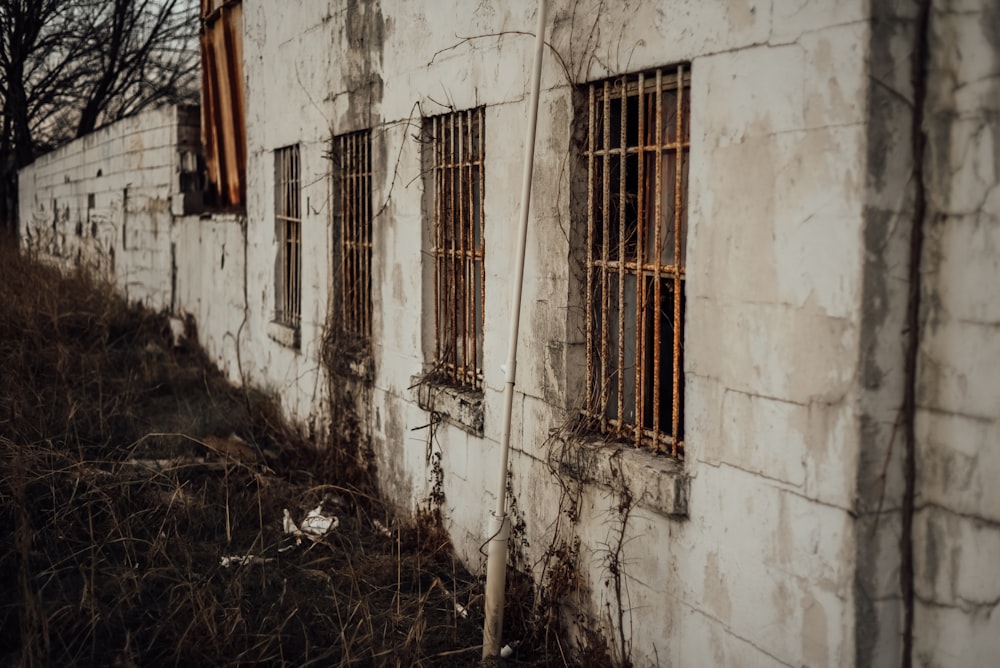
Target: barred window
[288,225]
[637,145]
[457,145]
[352,175]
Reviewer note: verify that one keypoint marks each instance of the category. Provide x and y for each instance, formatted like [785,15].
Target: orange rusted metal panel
[223,119]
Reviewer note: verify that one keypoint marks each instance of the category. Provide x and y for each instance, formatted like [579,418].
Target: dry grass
[110,558]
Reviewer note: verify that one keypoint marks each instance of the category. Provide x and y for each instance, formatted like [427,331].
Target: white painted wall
[762,570]
[209,285]
[957,526]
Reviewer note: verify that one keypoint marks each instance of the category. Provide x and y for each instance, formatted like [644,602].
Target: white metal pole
[499,527]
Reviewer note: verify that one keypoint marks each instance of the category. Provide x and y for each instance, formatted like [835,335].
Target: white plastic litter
[460,609]
[288,524]
[382,529]
[508,650]
[317,524]
[314,526]
[178,331]
[242,560]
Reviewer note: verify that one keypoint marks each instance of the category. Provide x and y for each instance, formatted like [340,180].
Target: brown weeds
[119,497]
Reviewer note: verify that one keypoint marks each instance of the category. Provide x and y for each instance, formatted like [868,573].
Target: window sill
[284,334]
[656,482]
[463,408]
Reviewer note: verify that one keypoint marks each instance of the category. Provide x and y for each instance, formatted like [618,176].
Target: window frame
[636,219]
[288,231]
[352,175]
[456,143]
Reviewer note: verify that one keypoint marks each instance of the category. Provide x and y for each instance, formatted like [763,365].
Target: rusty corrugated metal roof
[223,118]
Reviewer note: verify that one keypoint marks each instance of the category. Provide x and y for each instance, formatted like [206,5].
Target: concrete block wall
[209,284]
[954,620]
[957,521]
[105,200]
[119,201]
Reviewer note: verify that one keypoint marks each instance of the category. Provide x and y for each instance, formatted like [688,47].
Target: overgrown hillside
[142,502]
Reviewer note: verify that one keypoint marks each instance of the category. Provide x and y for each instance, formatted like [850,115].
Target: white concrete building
[735,421]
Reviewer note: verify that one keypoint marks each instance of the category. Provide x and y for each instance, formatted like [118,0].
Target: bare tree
[27,33]
[68,66]
[140,53]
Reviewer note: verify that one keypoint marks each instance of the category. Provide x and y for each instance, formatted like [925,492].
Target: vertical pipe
[496,563]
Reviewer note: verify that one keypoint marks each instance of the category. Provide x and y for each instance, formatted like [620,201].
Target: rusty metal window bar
[352,171]
[638,141]
[288,222]
[457,144]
